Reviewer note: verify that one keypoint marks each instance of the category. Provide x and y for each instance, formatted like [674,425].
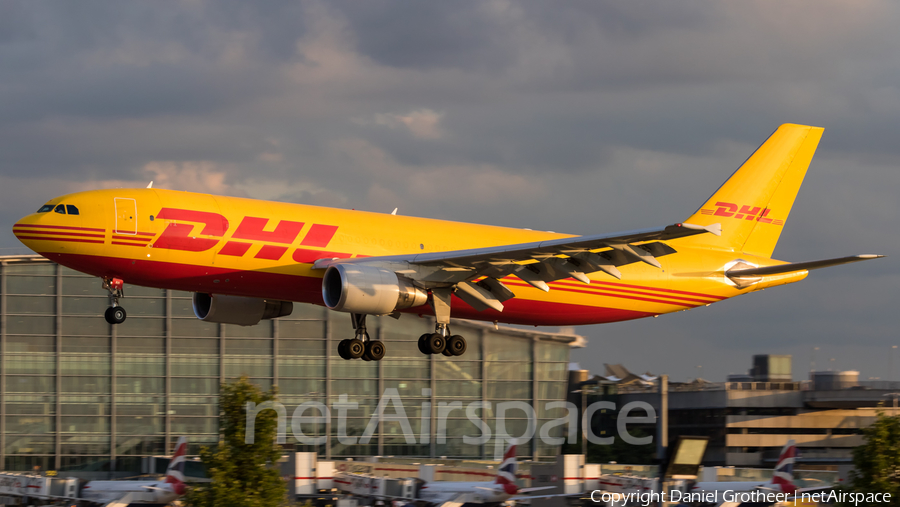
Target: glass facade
[78,392]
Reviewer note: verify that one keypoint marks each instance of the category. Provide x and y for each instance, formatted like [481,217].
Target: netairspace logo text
[315,412]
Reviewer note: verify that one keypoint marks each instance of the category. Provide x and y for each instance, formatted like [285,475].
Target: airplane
[503,487]
[142,492]
[782,480]
[247,260]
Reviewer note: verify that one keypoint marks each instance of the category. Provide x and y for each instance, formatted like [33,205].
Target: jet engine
[369,290]
[239,310]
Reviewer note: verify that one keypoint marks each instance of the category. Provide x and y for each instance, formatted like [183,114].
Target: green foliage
[243,475]
[877,462]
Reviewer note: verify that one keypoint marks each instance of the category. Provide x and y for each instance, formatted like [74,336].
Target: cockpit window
[45,208]
[72,210]
[60,208]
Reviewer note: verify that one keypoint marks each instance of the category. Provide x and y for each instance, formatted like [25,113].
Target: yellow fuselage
[227,245]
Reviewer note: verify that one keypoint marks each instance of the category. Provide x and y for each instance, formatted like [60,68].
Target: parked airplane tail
[753,205]
[175,472]
[506,472]
[783,475]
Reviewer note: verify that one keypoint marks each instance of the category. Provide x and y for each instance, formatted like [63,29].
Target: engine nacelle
[370,290]
[239,310]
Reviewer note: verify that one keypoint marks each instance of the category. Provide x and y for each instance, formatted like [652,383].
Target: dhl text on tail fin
[753,205]
[247,260]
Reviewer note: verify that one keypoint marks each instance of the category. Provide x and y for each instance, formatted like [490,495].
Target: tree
[242,474]
[877,462]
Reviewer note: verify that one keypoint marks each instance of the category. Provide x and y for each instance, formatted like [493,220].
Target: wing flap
[478,297]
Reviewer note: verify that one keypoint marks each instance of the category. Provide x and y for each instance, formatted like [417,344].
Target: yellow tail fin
[754,203]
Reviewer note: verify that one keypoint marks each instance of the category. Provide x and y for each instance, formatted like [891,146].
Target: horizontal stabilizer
[798,266]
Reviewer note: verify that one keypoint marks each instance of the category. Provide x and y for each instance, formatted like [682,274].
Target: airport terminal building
[76,392]
[749,418]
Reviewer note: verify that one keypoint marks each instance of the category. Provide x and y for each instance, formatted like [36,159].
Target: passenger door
[126,216]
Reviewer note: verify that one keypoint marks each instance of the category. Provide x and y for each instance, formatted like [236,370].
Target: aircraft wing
[536,263]
[117,500]
[457,501]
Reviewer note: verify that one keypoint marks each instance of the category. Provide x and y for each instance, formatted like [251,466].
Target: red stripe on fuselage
[655,289]
[670,291]
[614,295]
[57,233]
[70,240]
[308,289]
[644,291]
[39,226]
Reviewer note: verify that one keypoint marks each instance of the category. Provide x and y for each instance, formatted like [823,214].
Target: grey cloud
[583,117]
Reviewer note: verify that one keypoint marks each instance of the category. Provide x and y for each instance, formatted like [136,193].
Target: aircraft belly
[568,303]
[193,278]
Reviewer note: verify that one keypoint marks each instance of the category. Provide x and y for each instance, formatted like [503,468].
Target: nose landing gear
[361,346]
[115,314]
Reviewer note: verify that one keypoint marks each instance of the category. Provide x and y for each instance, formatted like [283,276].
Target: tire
[436,343]
[355,348]
[446,352]
[375,350]
[342,349]
[115,315]
[423,343]
[457,345]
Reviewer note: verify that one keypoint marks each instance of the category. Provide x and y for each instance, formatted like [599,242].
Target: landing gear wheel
[342,349]
[456,345]
[375,350]
[436,343]
[446,352]
[423,343]
[355,348]
[115,315]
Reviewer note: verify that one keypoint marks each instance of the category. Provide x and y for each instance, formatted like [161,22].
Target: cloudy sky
[581,117]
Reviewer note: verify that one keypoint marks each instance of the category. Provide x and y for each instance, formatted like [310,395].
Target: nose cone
[23,229]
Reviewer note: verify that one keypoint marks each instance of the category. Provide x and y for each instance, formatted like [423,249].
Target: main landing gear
[115,314]
[361,346]
[442,342]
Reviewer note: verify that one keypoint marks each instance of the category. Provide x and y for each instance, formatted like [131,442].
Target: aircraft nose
[20,228]
[26,228]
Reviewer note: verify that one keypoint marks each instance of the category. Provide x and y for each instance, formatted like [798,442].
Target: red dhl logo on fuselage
[745,212]
[179,236]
